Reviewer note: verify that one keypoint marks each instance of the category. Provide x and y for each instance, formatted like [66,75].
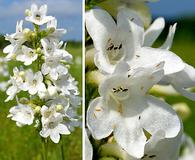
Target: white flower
[125,109]
[53,56]
[52,124]
[179,80]
[28,56]
[57,32]
[34,82]
[12,49]
[22,114]
[124,42]
[67,85]
[17,81]
[38,15]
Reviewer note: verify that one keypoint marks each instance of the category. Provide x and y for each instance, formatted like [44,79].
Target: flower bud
[183,110]
[21,73]
[37,109]
[94,77]
[24,100]
[89,58]
[33,35]
[59,107]
[27,32]
[38,50]
[51,30]
[28,12]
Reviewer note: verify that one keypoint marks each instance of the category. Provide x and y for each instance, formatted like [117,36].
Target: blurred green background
[25,143]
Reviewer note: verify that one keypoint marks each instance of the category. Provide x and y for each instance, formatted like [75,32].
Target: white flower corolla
[17,82]
[34,82]
[53,58]
[13,48]
[125,108]
[157,148]
[88,148]
[50,92]
[67,85]
[189,149]
[52,124]
[179,80]
[124,42]
[22,114]
[38,15]
[28,56]
[57,33]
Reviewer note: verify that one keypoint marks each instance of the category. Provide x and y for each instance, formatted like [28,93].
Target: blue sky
[172,9]
[68,13]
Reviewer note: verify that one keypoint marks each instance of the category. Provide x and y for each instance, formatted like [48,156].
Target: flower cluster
[140,125]
[53,97]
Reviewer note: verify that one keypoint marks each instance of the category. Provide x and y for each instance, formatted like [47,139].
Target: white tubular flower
[38,15]
[22,114]
[17,82]
[53,56]
[180,80]
[12,49]
[67,85]
[189,149]
[28,56]
[124,42]
[52,124]
[57,33]
[125,109]
[34,82]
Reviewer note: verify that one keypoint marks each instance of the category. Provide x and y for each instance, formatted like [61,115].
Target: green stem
[62,149]
[44,149]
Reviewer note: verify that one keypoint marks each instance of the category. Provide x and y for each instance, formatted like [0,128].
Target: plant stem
[62,149]
[44,149]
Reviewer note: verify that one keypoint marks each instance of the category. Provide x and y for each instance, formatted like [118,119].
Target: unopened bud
[89,58]
[26,32]
[33,35]
[59,107]
[94,77]
[24,100]
[37,109]
[183,110]
[38,50]
[28,12]
[21,73]
[51,30]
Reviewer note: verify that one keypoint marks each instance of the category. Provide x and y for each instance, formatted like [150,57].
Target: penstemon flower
[52,96]
[125,109]
[125,121]
[124,42]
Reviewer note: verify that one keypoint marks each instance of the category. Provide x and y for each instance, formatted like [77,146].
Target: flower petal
[100,26]
[130,136]
[158,115]
[153,32]
[168,43]
[100,118]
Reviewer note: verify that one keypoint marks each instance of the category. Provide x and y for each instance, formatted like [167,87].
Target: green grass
[25,143]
